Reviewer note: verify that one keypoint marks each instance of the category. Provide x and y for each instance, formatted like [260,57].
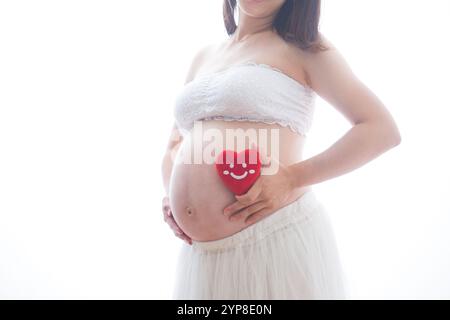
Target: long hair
[296,22]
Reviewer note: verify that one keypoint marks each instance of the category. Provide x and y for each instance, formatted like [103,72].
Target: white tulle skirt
[291,254]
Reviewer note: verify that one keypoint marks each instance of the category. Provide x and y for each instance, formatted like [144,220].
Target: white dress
[291,254]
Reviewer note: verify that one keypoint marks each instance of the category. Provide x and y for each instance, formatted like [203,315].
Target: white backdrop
[86,96]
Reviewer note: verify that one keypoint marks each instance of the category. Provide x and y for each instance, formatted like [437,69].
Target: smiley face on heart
[238,171]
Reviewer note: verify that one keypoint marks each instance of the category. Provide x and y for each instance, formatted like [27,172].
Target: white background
[86,96]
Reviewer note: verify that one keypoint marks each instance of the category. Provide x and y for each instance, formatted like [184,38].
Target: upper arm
[175,137]
[332,78]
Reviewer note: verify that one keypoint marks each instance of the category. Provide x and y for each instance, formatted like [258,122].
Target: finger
[165,207]
[233,208]
[185,238]
[244,200]
[167,213]
[178,232]
[182,235]
[256,216]
[244,213]
[171,222]
[251,195]
[175,228]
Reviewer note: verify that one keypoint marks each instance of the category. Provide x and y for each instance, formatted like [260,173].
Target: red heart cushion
[238,171]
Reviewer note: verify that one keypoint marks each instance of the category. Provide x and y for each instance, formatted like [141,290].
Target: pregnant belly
[196,192]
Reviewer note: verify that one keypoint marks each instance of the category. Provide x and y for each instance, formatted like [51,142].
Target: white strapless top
[247,91]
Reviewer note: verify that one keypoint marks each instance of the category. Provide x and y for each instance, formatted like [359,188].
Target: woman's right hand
[168,218]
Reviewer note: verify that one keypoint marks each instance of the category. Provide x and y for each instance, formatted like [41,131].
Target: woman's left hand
[265,196]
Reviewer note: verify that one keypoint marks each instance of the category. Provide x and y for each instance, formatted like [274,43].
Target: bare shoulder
[327,58]
[332,77]
[198,58]
[319,65]
[327,70]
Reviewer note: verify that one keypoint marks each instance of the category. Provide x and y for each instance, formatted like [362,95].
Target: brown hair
[297,22]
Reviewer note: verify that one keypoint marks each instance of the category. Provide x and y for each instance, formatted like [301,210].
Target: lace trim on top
[283,123]
[255,64]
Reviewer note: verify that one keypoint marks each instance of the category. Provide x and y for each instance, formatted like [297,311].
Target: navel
[189,211]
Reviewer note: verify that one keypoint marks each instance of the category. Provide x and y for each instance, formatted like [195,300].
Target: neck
[248,26]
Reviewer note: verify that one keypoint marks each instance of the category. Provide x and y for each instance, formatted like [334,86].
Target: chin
[260,8]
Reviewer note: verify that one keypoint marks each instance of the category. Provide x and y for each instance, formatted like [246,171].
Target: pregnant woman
[256,91]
